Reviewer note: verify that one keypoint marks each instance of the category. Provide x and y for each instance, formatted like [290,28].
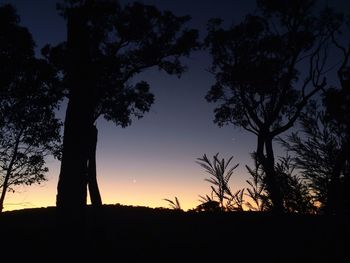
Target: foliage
[296,197]
[296,193]
[314,151]
[208,204]
[235,201]
[124,41]
[257,189]
[29,130]
[266,70]
[220,176]
[256,66]
[174,204]
[322,149]
[107,45]
[317,152]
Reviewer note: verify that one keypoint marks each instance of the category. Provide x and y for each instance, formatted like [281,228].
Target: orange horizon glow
[148,190]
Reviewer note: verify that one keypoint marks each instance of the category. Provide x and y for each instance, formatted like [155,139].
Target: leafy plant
[319,151]
[174,204]
[208,204]
[257,190]
[296,194]
[220,176]
[235,201]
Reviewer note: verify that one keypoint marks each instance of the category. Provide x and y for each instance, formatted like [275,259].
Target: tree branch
[299,108]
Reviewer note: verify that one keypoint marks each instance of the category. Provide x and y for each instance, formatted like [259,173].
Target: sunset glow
[174,130]
[128,187]
[155,157]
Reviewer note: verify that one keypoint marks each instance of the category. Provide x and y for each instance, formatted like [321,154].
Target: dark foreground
[138,234]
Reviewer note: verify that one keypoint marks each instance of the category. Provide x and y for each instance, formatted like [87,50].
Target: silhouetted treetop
[124,41]
[322,151]
[29,95]
[16,45]
[337,99]
[13,36]
[107,45]
[266,70]
[257,66]
[29,87]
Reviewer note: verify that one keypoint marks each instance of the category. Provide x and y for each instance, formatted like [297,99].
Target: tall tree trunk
[72,185]
[71,190]
[95,196]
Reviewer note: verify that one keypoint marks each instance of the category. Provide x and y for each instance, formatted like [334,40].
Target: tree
[337,115]
[314,151]
[337,102]
[29,130]
[107,45]
[267,68]
[296,193]
[322,152]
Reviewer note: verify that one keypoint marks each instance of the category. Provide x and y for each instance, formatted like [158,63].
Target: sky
[155,157]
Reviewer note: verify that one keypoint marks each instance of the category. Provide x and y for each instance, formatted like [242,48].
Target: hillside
[140,234]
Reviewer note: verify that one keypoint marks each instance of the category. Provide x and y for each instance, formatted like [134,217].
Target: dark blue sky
[155,157]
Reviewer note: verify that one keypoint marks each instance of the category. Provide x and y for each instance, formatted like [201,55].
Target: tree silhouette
[267,68]
[315,153]
[337,114]
[107,45]
[29,130]
[322,153]
[337,102]
[296,193]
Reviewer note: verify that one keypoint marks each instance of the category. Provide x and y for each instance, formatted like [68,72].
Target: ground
[139,234]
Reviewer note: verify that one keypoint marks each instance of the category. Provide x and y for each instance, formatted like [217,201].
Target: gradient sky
[155,157]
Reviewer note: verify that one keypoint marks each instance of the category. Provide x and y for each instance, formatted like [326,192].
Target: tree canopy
[107,45]
[124,41]
[29,130]
[266,69]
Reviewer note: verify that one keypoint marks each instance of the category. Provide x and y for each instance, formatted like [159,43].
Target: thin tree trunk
[268,163]
[272,180]
[9,171]
[95,196]
[4,189]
